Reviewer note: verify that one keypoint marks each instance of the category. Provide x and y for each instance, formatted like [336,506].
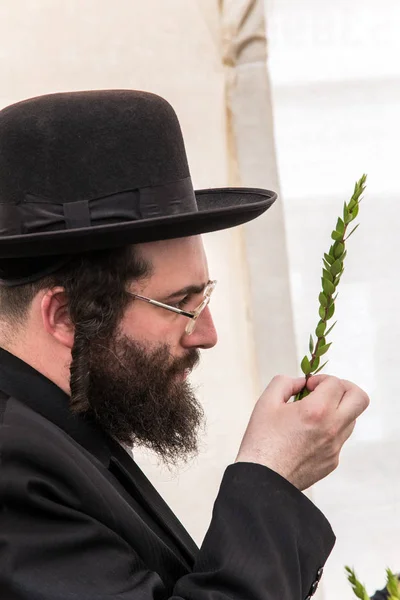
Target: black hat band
[36,214]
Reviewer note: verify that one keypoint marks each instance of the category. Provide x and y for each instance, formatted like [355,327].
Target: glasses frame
[192,315]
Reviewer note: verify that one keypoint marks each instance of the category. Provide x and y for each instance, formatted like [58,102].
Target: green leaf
[336,267]
[330,312]
[340,226]
[329,259]
[327,275]
[346,214]
[354,198]
[336,235]
[358,589]
[311,345]
[351,205]
[328,286]
[322,349]
[338,251]
[320,330]
[322,312]
[354,212]
[323,300]
[314,364]
[352,231]
[392,585]
[305,366]
[321,367]
[330,329]
[326,265]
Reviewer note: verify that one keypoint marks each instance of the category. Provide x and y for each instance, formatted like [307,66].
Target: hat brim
[218,209]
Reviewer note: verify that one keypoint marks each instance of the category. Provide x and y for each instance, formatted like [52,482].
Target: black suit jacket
[80,521]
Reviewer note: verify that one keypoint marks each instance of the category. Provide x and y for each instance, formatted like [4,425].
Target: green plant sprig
[358,588]
[392,585]
[332,271]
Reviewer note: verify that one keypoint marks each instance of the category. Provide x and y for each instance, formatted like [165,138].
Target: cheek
[147,325]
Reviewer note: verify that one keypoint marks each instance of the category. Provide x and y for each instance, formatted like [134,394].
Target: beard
[140,396]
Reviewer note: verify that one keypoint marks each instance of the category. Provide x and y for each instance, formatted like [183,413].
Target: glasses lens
[197,312]
[190,326]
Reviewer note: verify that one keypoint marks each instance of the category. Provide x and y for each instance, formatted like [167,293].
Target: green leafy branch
[392,585]
[332,271]
[358,587]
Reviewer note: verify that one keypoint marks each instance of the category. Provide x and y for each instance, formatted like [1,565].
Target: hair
[95,285]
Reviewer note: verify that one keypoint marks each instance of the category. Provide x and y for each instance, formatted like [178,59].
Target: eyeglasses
[192,315]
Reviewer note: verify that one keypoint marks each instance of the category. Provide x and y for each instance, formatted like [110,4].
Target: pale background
[332,98]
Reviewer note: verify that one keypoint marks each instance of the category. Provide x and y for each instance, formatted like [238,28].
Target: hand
[302,440]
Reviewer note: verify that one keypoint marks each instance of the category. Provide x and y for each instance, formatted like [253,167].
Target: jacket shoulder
[35,452]
[23,428]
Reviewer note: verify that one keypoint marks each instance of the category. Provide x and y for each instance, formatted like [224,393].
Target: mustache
[185,363]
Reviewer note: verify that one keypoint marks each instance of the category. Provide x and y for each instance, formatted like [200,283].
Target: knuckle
[340,386]
[366,399]
[279,382]
[334,386]
[361,400]
[280,378]
[315,414]
[360,393]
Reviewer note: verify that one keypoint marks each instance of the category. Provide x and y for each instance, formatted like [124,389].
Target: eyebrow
[186,291]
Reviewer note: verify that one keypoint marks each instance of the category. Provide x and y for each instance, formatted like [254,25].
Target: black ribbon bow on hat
[37,214]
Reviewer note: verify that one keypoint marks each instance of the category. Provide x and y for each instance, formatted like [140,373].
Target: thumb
[281,388]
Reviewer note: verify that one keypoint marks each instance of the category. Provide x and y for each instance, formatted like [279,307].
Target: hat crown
[83,145]
[85,171]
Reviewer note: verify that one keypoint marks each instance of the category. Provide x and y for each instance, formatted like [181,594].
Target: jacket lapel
[137,485]
[21,381]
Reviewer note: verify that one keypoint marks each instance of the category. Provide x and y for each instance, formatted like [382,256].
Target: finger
[281,388]
[349,385]
[354,402]
[315,380]
[346,433]
[328,389]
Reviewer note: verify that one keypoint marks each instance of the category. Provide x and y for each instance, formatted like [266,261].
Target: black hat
[91,170]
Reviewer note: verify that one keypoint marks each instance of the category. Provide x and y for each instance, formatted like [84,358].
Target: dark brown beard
[136,397]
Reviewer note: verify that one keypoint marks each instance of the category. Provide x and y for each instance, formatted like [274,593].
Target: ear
[55,316]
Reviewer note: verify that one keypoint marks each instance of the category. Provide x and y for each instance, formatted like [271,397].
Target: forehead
[177,260]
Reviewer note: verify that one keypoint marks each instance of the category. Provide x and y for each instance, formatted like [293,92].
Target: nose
[204,336]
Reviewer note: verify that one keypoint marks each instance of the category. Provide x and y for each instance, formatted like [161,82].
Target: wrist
[276,466]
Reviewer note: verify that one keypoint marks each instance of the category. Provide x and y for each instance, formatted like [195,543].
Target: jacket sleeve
[266,541]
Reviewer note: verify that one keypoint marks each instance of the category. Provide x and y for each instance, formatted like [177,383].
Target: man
[104,308]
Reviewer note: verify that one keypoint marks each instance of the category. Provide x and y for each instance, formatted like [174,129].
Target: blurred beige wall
[335,75]
[172,48]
